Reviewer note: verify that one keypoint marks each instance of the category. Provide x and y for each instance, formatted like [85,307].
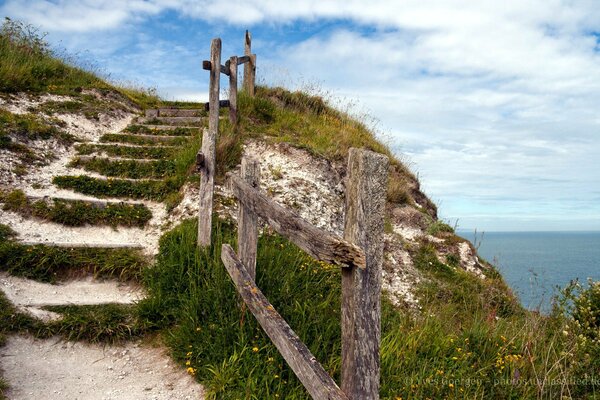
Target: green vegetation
[127,168]
[144,130]
[15,129]
[49,263]
[306,121]
[143,189]
[126,151]
[437,227]
[144,140]
[84,103]
[77,212]
[471,339]
[104,323]
[28,64]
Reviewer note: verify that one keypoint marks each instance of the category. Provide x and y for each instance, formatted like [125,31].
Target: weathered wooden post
[250,66]
[233,62]
[248,220]
[209,142]
[361,288]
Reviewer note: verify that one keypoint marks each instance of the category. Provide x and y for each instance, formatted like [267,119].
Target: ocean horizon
[536,264]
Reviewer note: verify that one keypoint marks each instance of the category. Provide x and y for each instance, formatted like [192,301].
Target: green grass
[104,323]
[49,264]
[126,152]
[144,130]
[144,189]
[144,141]
[77,212]
[127,168]
[469,339]
[29,64]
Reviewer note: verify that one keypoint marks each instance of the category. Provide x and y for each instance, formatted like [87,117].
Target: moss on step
[144,140]
[77,212]
[49,263]
[127,168]
[144,189]
[101,323]
[145,130]
[155,152]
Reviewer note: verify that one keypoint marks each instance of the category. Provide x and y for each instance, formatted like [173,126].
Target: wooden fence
[206,158]
[359,253]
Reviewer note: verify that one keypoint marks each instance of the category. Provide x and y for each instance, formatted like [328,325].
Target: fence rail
[360,253]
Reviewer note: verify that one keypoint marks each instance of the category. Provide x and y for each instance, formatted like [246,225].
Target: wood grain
[233,63]
[317,242]
[361,288]
[209,140]
[248,220]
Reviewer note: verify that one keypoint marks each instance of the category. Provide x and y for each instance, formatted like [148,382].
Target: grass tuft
[127,168]
[49,264]
[144,130]
[126,151]
[104,323]
[77,212]
[145,189]
[144,140]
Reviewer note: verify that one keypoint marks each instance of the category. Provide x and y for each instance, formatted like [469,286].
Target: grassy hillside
[468,338]
[29,64]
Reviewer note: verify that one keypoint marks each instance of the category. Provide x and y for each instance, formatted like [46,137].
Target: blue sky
[494,104]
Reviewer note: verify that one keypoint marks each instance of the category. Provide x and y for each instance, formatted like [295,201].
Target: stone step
[167,127]
[96,203]
[117,159]
[31,296]
[175,112]
[91,245]
[136,145]
[175,121]
[139,139]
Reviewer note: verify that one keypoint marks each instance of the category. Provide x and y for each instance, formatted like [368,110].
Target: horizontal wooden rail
[222,103]
[240,60]
[206,65]
[317,242]
[312,375]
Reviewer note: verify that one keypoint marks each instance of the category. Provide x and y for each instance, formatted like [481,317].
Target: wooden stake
[209,143]
[248,220]
[249,67]
[361,288]
[233,63]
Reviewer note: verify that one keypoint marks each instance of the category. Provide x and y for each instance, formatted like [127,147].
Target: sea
[536,264]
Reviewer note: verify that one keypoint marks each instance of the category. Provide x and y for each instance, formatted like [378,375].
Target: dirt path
[57,370]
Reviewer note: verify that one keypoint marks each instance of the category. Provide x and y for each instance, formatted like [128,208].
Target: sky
[495,105]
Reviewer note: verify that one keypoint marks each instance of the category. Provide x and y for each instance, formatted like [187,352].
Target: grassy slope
[28,64]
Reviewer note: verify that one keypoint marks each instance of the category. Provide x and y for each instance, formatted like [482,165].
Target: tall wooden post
[249,67]
[209,142]
[233,89]
[248,220]
[361,289]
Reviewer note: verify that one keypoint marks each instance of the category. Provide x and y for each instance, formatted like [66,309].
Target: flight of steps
[137,168]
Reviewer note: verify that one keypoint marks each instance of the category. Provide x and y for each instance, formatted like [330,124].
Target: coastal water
[533,264]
